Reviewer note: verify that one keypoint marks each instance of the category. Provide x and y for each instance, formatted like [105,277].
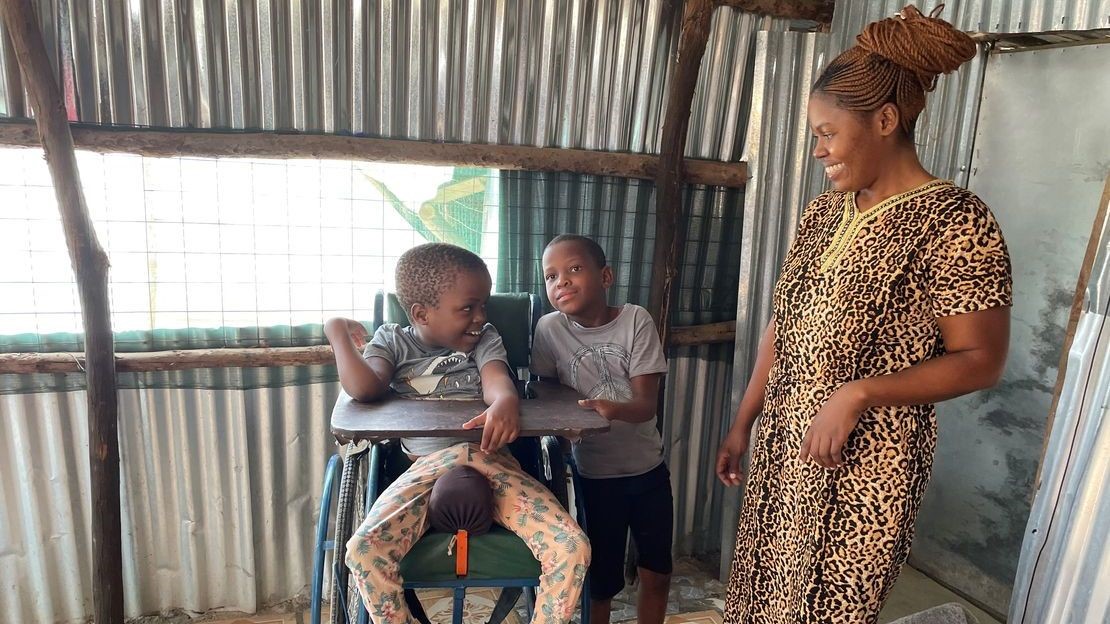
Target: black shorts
[640,504]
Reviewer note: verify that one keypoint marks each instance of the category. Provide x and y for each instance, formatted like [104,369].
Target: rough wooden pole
[90,265]
[670,216]
[180,142]
[820,11]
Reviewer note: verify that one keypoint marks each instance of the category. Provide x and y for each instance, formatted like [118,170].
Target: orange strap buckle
[461,555]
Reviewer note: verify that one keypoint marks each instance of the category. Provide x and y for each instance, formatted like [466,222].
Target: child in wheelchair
[449,351]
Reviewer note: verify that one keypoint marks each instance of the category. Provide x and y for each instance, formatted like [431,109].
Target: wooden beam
[260,357]
[670,214]
[26,363]
[697,335]
[820,11]
[90,265]
[214,143]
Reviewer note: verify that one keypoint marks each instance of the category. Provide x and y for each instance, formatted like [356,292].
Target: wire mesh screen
[620,214]
[254,252]
[211,250]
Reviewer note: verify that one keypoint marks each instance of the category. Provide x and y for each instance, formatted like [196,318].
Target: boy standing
[611,355]
[449,351]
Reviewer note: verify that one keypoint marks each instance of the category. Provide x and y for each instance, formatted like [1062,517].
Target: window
[230,242]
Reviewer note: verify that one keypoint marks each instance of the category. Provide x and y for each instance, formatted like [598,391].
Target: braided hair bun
[896,60]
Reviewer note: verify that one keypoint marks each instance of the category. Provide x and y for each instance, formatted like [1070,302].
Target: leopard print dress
[858,297]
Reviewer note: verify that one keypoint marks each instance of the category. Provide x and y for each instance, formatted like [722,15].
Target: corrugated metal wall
[970,531]
[497,71]
[621,214]
[783,179]
[576,73]
[220,492]
[1064,571]
[778,145]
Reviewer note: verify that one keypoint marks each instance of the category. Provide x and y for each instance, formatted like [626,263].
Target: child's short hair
[426,271]
[590,245]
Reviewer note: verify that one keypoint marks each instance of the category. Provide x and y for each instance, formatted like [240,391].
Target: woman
[894,295]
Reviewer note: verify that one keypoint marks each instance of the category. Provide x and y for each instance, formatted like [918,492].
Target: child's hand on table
[605,408]
[500,425]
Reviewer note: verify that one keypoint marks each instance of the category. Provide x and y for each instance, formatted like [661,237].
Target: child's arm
[642,407]
[501,421]
[363,379]
[542,363]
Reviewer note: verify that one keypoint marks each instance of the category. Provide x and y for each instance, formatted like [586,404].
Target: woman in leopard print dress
[894,295]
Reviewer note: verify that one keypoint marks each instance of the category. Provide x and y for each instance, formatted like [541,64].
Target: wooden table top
[553,411]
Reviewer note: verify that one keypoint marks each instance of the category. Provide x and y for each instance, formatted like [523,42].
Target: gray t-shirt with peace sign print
[600,362]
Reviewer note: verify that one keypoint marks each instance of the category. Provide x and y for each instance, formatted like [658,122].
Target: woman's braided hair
[896,60]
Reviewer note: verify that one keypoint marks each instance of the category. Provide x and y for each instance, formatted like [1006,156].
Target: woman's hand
[829,430]
[732,449]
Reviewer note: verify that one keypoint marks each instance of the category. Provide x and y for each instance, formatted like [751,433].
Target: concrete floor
[697,597]
[695,589]
[916,592]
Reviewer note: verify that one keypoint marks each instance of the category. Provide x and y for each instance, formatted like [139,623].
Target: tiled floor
[696,598]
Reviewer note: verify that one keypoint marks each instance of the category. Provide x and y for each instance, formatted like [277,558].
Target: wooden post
[90,265]
[670,216]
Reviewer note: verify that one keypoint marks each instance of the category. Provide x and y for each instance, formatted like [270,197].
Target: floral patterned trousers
[522,505]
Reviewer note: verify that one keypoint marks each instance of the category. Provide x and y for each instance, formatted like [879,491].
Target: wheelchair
[354,479]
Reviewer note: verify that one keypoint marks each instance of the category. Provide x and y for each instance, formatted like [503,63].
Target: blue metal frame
[374,476]
[373,486]
[373,489]
[580,511]
[510,582]
[323,544]
[460,586]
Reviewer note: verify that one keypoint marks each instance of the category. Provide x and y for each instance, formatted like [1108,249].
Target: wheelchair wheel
[351,509]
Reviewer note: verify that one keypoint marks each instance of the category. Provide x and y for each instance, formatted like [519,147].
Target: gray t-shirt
[421,371]
[600,362]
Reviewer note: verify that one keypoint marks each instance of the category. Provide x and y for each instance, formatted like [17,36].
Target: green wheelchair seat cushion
[499,554]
